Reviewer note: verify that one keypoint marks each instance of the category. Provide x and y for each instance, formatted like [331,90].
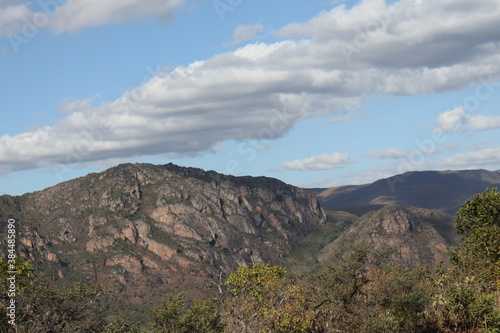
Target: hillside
[441,190]
[142,230]
[416,236]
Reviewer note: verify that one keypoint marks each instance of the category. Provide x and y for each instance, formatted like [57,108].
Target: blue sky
[315,93]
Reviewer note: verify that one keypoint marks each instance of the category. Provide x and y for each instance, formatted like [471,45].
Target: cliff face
[416,236]
[143,230]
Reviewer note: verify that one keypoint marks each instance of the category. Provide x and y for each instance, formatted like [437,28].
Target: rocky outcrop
[415,236]
[143,230]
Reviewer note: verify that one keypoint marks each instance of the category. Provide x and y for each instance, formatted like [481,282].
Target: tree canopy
[478,222]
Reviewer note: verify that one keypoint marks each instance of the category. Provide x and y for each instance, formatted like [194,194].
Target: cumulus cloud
[78,14]
[485,157]
[320,162]
[12,18]
[74,15]
[451,120]
[480,122]
[458,118]
[261,90]
[349,117]
[244,33]
[9,2]
[387,153]
[377,34]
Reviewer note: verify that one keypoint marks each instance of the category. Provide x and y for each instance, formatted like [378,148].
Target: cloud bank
[327,66]
[74,15]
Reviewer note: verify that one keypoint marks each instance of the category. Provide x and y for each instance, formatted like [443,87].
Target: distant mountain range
[445,191]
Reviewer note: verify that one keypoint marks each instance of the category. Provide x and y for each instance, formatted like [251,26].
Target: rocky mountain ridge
[142,230]
[416,236]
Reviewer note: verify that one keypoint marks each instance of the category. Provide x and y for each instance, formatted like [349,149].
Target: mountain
[316,190]
[142,230]
[441,190]
[416,236]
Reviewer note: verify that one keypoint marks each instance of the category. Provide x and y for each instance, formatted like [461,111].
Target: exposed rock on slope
[416,236]
[143,229]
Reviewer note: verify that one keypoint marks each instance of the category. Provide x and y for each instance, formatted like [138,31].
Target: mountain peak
[140,228]
[416,236]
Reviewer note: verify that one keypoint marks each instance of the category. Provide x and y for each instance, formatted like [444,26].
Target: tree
[477,261]
[167,315]
[122,325]
[41,307]
[460,303]
[201,316]
[174,316]
[265,300]
[340,292]
[23,279]
[478,223]
[399,298]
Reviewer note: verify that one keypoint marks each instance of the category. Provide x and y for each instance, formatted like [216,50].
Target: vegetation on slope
[363,292]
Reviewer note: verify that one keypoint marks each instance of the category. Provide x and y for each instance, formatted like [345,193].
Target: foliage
[201,316]
[122,325]
[478,222]
[466,297]
[40,307]
[264,300]
[357,294]
[167,315]
[399,298]
[460,303]
[174,316]
[24,275]
[302,258]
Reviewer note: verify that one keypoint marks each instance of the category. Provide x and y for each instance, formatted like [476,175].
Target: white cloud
[261,90]
[9,2]
[484,157]
[367,176]
[426,40]
[455,119]
[387,153]
[75,15]
[12,18]
[244,33]
[451,121]
[480,122]
[320,162]
[342,119]
[70,105]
